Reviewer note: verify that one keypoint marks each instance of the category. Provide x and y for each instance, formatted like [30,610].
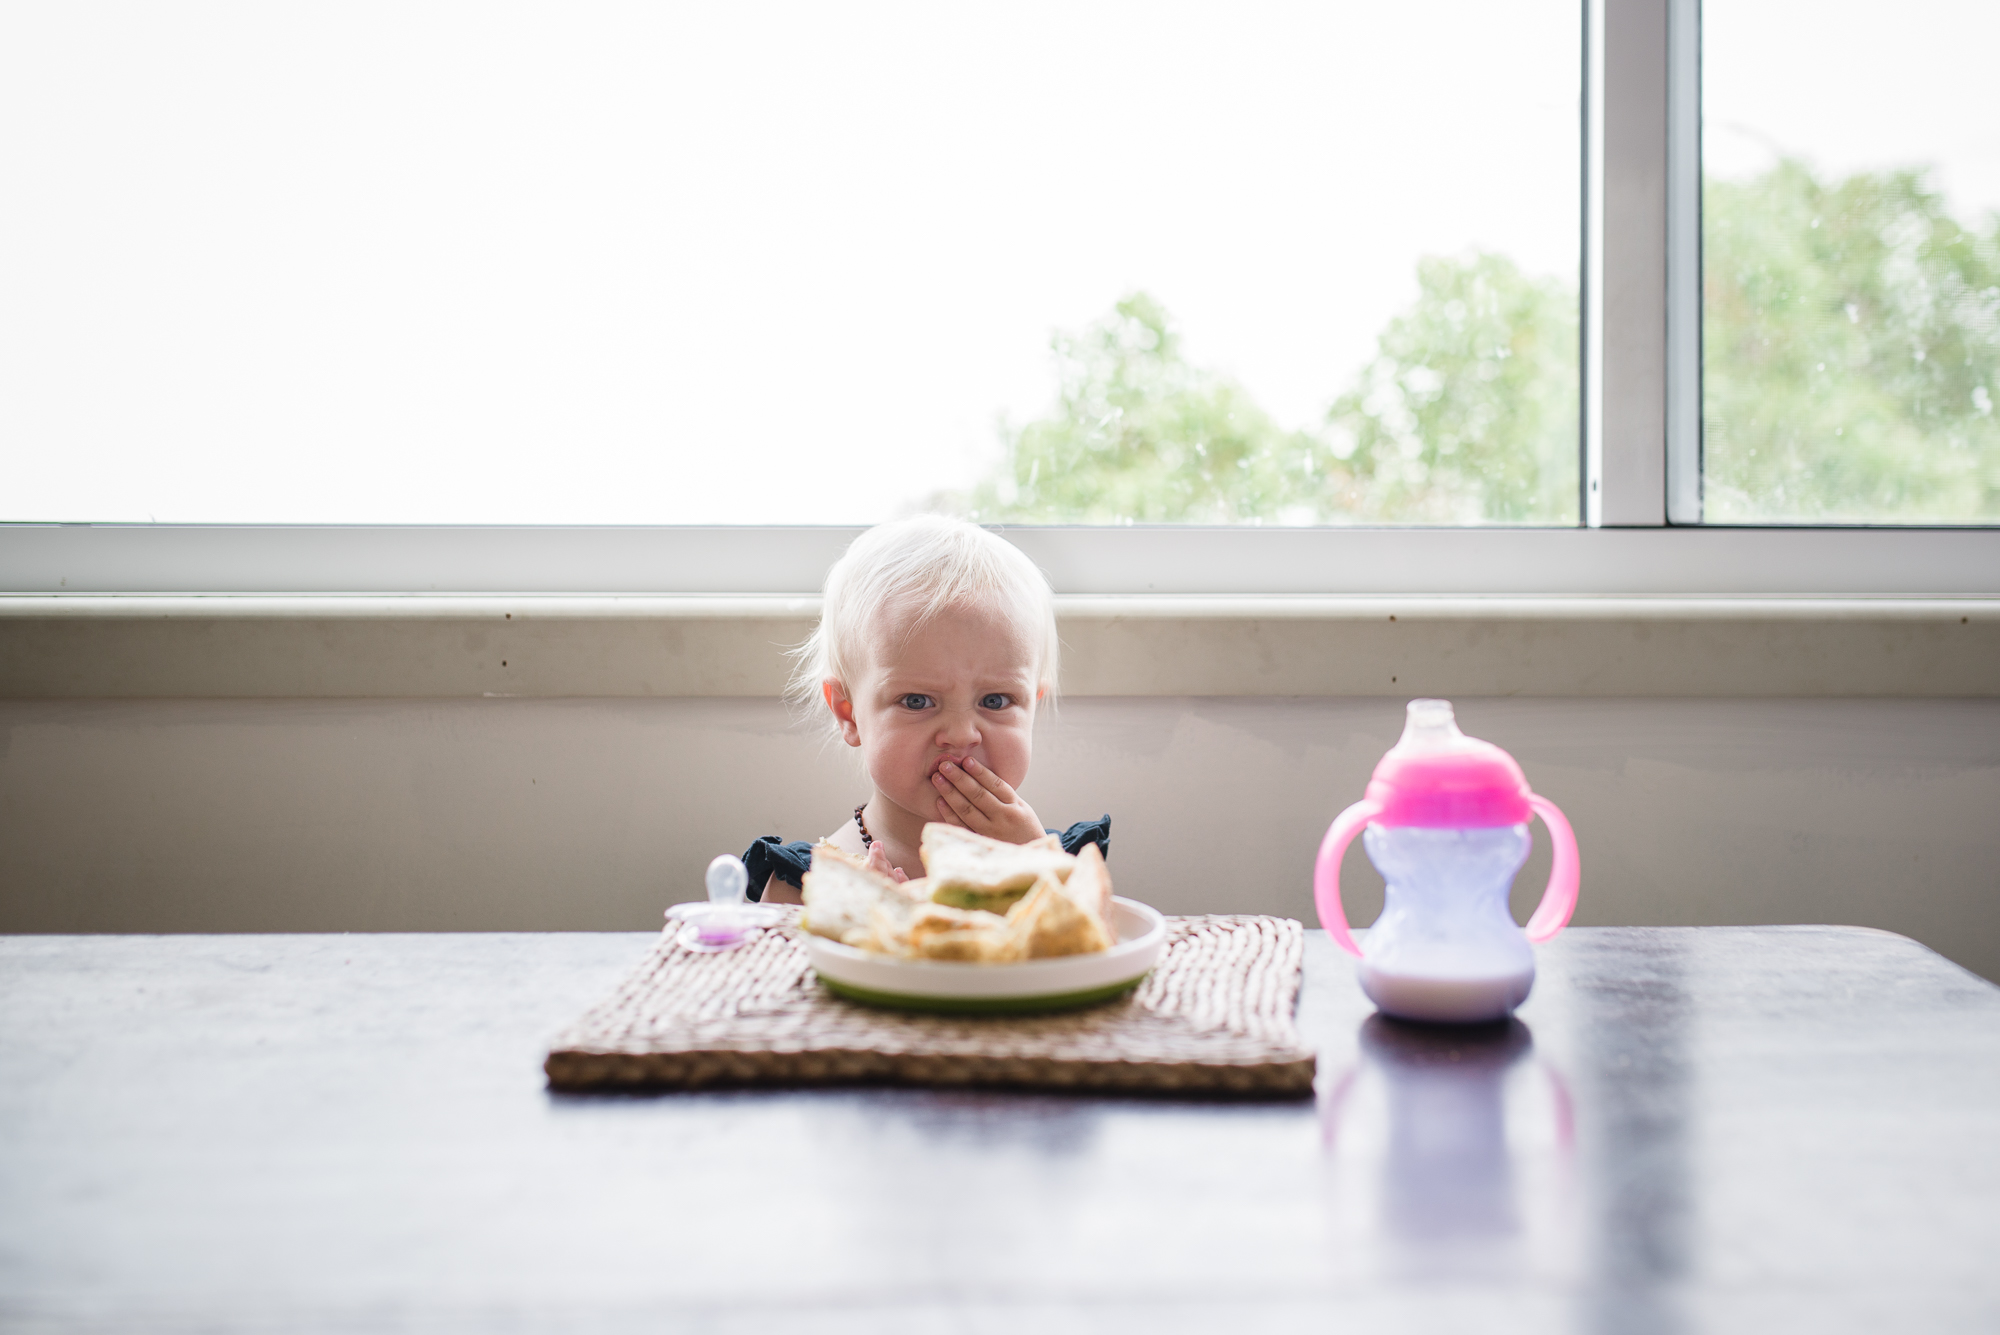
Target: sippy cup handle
[1559,900]
[1550,916]
[1326,871]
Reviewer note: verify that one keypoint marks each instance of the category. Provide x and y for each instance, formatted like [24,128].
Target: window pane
[779,263]
[1851,262]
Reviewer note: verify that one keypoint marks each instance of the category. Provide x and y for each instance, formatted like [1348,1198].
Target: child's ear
[843,709]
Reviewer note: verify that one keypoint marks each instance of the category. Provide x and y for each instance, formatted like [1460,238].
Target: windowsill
[420,646]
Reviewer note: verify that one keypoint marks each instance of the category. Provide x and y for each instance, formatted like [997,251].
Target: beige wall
[413,815]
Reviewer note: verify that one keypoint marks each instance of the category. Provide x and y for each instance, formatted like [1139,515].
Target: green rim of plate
[1048,1001]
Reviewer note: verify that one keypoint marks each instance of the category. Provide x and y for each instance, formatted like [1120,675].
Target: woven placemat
[1214,1016]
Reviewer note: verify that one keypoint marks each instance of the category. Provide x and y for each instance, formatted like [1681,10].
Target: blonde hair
[927,563]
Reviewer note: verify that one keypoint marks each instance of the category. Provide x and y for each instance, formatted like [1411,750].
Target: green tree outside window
[1851,362]
[1850,350]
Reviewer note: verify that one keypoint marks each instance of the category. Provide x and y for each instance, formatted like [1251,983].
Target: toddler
[935,646]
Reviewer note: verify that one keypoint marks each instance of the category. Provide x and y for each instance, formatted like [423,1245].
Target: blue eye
[916,701]
[996,701]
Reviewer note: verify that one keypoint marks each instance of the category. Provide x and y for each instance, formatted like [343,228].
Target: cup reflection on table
[1421,1124]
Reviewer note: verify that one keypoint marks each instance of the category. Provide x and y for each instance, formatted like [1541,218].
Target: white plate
[1056,984]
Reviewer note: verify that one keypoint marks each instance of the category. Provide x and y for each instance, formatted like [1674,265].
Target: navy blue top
[771,856]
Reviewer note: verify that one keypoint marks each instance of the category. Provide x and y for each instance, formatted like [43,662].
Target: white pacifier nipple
[728,881]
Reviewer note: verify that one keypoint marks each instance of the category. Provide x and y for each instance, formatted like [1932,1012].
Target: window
[1850,235]
[285,279]
[448,263]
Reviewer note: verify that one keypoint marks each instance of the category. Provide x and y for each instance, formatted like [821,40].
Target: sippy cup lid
[1439,778]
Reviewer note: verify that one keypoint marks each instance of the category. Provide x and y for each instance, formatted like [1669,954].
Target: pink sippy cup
[1446,820]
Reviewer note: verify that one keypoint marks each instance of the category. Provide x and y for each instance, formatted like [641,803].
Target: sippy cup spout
[1429,725]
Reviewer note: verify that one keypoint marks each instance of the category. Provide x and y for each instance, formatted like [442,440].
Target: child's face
[963,684]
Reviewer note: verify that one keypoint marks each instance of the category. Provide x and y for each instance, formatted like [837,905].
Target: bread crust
[973,867]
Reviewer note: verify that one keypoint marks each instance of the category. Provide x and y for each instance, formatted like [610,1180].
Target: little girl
[936,643]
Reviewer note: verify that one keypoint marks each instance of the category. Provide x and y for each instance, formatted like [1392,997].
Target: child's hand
[976,798]
[879,861]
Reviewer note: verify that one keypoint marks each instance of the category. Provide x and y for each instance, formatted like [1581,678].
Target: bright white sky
[738,263]
[1857,85]
[705,262]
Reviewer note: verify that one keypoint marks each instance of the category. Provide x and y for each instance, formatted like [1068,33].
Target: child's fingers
[948,816]
[958,786]
[992,782]
[965,809]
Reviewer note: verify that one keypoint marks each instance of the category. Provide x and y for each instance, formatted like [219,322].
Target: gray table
[1754,1129]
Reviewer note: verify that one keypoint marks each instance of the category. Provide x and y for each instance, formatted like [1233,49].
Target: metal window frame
[1626,259]
[1684,258]
[1640,442]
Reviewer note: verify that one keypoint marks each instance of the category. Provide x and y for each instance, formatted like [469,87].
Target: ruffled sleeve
[771,856]
[1088,832]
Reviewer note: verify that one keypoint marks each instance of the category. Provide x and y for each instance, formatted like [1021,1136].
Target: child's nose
[958,727]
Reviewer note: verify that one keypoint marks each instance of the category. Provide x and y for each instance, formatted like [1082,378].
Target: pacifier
[728,919]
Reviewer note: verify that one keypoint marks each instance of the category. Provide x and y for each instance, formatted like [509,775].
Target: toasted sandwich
[973,936]
[970,871]
[1089,888]
[1049,921]
[843,894]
